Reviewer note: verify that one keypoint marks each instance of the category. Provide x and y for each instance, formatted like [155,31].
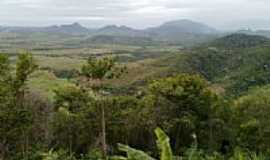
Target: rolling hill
[237,62]
[113,30]
[234,64]
[240,41]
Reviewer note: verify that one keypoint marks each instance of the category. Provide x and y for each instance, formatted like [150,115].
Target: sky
[221,14]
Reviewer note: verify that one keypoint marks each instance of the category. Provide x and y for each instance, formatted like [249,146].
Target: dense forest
[208,102]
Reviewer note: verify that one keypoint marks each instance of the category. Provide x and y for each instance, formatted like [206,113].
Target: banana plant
[163,143]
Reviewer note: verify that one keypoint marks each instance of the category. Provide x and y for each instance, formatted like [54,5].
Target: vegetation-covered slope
[236,61]
[74,108]
[239,41]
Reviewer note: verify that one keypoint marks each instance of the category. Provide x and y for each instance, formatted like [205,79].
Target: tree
[24,67]
[96,70]
[74,111]
[184,106]
[5,80]
[252,119]
[16,119]
[5,101]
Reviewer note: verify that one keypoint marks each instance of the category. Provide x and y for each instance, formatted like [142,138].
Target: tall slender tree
[96,71]
[15,117]
[24,67]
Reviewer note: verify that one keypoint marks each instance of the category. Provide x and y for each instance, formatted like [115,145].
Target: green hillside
[239,41]
[211,100]
[237,61]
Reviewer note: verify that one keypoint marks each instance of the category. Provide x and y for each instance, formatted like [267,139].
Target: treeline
[86,121]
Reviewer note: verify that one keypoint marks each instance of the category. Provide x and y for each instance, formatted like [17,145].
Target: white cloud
[88,18]
[138,13]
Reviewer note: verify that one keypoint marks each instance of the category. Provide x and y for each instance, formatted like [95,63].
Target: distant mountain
[265,33]
[183,32]
[114,30]
[183,26]
[72,29]
[167,30]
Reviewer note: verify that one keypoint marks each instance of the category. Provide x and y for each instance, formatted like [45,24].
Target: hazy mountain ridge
[183,26]
[265,33]
[182,31]
[114,30]
[74,28]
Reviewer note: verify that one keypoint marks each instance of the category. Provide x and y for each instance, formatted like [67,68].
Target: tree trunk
[103,132]
[3,150]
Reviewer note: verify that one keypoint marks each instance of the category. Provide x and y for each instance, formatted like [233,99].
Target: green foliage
[242,155]
[5,80]
[74,110]
[237,62]
[16,117]
[4,66]
[191,154]
[240,41]
[57,155]
[101,68]
[50,155]
[72,98]
[84,111]
[252,117]
[163,143]
[202,125]
[184,106]
[94,154]
[64,155]
[132,154]
[24,67]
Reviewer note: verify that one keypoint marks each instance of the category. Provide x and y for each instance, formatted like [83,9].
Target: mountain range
[181,31]
[184,26]
[184,32]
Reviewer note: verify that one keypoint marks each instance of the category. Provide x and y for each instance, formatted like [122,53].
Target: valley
[69,92]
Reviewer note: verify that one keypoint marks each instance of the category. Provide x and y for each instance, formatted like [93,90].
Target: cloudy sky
[223,14]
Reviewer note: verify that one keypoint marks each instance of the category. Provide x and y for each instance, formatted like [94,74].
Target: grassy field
[138,72]
[57,53]
[59,63]
[45,83]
